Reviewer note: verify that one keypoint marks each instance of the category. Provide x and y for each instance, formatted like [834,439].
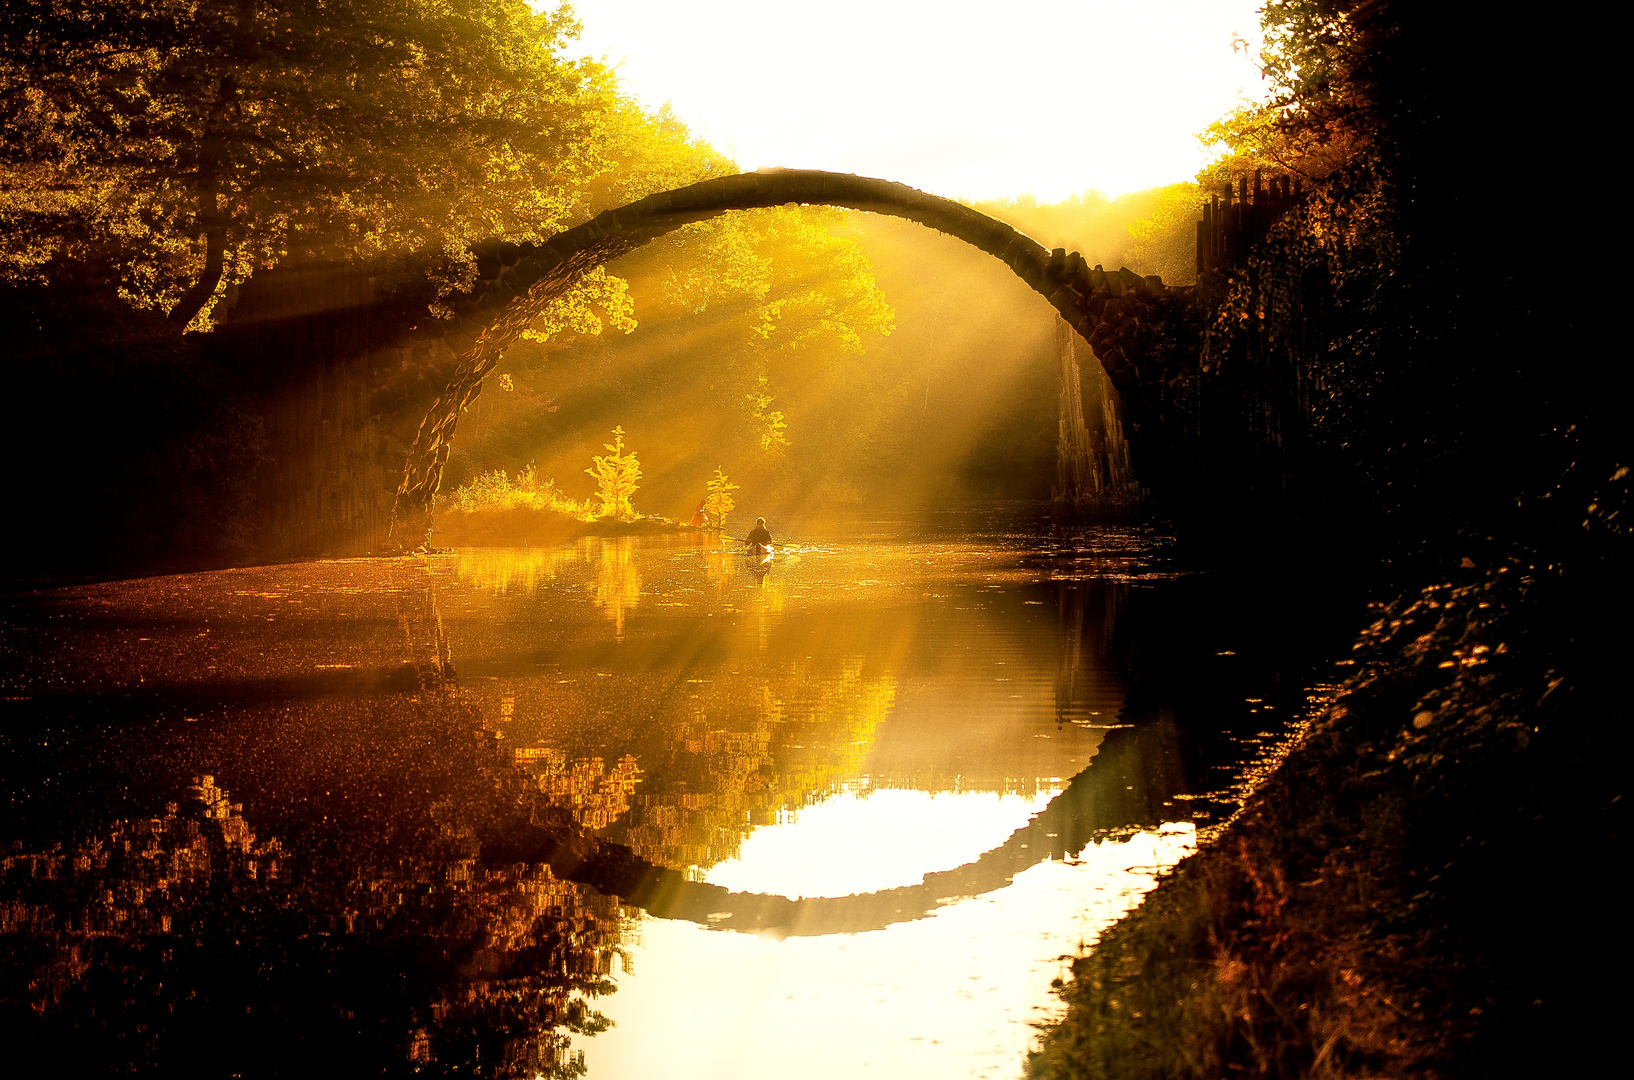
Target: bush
[496,491]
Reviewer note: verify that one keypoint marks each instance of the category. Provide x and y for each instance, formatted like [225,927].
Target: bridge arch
[1119,312]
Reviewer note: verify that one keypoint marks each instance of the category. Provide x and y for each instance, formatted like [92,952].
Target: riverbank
[1419,890]
[525,526]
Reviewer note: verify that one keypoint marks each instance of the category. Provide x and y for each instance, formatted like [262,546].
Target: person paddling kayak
[759,540]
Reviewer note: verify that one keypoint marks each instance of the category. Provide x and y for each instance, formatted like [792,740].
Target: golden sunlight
[1050,98]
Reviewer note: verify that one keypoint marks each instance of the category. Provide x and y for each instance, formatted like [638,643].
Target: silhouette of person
[759,535]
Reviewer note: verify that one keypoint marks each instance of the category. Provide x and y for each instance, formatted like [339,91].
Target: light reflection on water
[983,718]
[874,719]
[857,842]
[948,996]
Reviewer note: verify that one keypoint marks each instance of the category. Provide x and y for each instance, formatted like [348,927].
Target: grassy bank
[521,526]
[1422,889]
[496,510]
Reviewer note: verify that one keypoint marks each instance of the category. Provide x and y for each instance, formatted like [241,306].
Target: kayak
[760,551]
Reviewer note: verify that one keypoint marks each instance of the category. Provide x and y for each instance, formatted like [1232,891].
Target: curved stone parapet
[1124,316]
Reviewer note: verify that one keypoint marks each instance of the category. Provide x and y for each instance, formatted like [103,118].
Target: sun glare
[1051,98]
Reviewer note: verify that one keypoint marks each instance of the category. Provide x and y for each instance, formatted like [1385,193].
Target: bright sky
[1048,97]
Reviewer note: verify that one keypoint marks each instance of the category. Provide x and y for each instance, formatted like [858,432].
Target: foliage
[1358,918]
[170,147]
[741,311]
[718,501]
[158,153]
[1165,243]
[792,298]
[596,300]
[793,282]
[1088,222]
[651,152]
[1260,138]
[496,491]
[616,474]
[1151,231]
[1318,116]
[1383,357]
[1436,405]
[707,386]
[646,152]
[769,421]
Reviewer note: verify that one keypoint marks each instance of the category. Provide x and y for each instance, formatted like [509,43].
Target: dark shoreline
[1413,893]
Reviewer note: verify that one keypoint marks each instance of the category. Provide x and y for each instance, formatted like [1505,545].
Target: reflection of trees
[184,943]
[807,735]
[1128,787]
[425,640]
[583,791]
[505,570]
[720,567]
[366,939]
[616,589]
[618,580]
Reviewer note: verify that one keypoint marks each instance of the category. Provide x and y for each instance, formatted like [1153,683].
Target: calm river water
[646,807]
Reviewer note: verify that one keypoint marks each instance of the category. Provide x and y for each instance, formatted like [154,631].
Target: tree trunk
[210,221]
[215,261]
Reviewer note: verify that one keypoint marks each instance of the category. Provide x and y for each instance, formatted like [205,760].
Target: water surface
[646,806]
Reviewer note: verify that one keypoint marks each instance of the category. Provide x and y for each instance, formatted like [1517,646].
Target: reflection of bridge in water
[1133,778]
[368,744]
[952,726]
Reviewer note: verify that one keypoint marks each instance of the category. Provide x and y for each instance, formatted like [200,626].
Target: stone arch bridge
[360,440]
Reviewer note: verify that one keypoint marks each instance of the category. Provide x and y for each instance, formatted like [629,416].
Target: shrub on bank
[496,509]
[494,492]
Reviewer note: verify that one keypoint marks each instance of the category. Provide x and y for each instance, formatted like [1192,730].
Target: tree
[789,299]
[719,502]
[616,475]
[167,148]
[769,421]
[1165,243]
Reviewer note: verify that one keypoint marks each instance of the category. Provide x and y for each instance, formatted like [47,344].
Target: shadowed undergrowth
[1416,893]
